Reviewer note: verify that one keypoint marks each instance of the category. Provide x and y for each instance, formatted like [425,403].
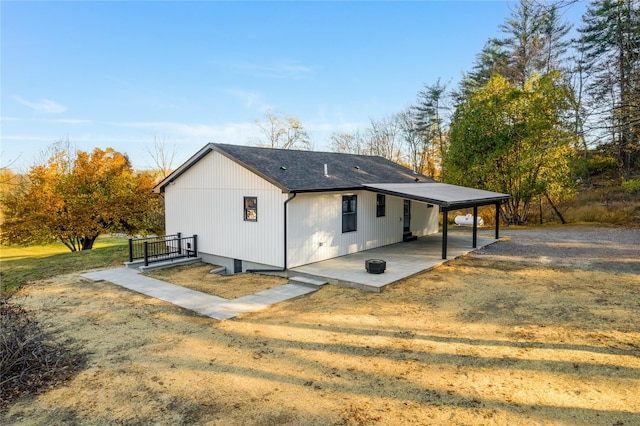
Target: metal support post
[497,220]
[475,227]
[445,225]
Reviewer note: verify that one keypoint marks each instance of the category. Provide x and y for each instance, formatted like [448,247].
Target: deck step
[307,281]
[220,270]
[409,237]
[170,263]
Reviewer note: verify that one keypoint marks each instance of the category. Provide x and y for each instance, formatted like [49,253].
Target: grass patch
[606,204]
[23,264]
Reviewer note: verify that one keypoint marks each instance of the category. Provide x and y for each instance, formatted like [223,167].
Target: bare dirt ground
[541,329]
[198,277]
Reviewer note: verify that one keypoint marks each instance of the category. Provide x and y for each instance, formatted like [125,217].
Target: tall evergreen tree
[535,42]
[610,37]
[428,124]
[555,43]
[492,60]
[523,41]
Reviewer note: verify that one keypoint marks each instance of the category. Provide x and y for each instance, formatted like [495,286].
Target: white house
[266,209]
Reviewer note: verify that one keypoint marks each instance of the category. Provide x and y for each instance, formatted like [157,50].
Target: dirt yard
[198,277]
[541,329]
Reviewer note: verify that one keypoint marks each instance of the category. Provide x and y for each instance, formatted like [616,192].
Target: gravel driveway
[580,247]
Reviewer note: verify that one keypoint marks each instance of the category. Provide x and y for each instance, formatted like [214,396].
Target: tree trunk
[68,244]
[540,211]
[555,209]
[87,242]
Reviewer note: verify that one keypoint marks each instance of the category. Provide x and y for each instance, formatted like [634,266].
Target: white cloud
[71,121]
[280,69]
[44,106]
[238,133]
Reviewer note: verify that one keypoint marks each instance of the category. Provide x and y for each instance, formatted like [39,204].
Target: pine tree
[428,124]
[554,40]
[535,42]
[610,37]
[523,42]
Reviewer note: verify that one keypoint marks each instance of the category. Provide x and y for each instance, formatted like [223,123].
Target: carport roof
[442,194]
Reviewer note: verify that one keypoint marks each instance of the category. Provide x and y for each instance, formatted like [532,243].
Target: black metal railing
[157,249]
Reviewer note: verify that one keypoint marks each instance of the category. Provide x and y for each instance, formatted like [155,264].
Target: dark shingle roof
[304,171]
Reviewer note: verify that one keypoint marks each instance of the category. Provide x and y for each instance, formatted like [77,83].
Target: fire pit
[375,266]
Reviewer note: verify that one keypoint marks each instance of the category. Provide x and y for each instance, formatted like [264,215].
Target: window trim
[349,214]
[381,207]
[248,209]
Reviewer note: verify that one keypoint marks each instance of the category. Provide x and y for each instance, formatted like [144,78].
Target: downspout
[284,267]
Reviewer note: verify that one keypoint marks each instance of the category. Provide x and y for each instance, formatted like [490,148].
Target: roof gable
[304,171]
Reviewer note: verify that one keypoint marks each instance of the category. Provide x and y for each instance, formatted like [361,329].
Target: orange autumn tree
[76,200]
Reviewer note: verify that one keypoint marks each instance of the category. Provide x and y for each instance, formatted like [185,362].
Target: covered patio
[403,260]
[448,198]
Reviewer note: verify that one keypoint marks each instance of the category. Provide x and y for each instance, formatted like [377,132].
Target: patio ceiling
[449,197]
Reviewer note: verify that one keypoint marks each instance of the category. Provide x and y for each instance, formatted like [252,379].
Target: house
[272,209]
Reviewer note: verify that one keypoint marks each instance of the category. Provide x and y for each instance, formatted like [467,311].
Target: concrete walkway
[403,260]
[202,303]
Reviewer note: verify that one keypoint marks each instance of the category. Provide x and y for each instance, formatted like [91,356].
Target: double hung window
[251,209]
[381,204]
[349,213]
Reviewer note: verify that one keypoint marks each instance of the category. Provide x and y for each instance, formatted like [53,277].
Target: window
[349,218]
[251,209]
[381,205]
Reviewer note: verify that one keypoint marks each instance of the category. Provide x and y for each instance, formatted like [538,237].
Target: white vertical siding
[208,200]
[424,219]
[315,225]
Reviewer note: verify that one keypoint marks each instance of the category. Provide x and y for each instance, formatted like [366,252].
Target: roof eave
[475,203]
[442,203]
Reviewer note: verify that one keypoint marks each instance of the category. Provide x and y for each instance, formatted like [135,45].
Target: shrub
[631,186]
[29,362]
[602,165]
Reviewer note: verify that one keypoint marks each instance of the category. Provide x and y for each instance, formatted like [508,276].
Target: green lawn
[19,265]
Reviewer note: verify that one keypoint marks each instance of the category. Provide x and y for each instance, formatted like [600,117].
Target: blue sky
[119,74]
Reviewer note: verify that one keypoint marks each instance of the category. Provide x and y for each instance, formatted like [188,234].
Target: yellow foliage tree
[76,200]
[515,140]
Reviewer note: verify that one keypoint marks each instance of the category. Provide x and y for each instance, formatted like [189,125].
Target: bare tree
[383,138]
[63,150]
[281,131]
[348,143]
[413,141]
[162,157]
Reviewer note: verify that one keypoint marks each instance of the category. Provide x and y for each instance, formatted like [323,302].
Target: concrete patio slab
[403,260]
